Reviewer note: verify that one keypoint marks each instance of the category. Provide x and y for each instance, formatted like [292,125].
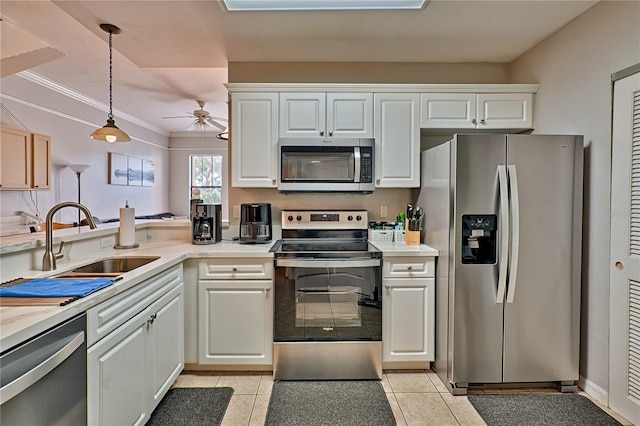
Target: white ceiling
[171,53]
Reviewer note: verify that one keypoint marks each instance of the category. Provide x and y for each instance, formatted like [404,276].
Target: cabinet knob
[331,133]
[387,286]
[152,319]
[377,181]
[35,186]
[321,132]
[474,121]
[268,289]
[273,181]
[234,269]
[482,121]
[409,268]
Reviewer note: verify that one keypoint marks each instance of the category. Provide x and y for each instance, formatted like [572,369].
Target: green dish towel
[45,287]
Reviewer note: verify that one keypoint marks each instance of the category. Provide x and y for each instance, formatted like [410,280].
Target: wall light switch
[236,211]
[384,211]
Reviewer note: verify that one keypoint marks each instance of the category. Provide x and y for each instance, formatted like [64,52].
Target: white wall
[574,68]
[69,122]
[181,148]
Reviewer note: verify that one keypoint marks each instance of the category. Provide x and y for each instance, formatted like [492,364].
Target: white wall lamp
[110,132]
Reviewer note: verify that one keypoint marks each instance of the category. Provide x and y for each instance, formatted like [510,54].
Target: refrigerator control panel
[479,239]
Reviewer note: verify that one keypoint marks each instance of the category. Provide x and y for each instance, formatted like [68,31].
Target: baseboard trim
[596,392]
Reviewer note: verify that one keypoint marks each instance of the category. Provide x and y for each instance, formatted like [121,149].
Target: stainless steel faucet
[49,259]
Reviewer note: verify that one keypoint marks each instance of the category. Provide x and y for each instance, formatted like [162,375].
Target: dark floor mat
[329,403]
[544,409]
[191,407]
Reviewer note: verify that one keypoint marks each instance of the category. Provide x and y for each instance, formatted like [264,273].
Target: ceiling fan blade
[215,123]
[180,116]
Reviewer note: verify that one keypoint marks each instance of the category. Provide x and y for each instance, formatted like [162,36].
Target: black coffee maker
[206,223]
[255,223]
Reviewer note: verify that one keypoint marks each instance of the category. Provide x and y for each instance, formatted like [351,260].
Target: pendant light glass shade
[110,132]
[224,135]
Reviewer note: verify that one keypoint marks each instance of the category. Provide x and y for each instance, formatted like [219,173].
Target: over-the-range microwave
[326,165]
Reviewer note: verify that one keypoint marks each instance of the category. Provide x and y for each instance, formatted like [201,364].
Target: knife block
[412,238]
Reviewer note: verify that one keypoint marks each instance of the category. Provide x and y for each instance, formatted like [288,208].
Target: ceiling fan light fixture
[110,132]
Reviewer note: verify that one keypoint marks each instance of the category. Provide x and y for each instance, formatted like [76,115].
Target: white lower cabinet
[236,322]
[131,368]
[408,314]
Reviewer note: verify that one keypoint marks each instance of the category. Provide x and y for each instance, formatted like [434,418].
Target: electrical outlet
[384,211]
[107,241]
[236,211]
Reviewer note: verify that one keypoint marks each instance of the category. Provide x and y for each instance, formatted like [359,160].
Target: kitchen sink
[115,265]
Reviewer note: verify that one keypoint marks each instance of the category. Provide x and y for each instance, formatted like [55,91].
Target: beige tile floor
[416,397]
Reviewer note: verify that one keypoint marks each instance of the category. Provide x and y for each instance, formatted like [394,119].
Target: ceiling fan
[202,119]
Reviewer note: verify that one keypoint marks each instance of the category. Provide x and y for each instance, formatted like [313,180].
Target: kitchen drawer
[408,267]
[236,268]
[111,314]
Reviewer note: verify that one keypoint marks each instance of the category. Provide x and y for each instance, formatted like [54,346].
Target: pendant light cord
[110,75]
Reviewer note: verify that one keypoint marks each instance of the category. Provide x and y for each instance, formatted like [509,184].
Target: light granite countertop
[18,324]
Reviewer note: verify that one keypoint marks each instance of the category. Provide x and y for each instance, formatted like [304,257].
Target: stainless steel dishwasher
[44,380]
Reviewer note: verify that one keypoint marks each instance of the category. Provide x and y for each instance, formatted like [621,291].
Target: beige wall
[367,72]
[574,68]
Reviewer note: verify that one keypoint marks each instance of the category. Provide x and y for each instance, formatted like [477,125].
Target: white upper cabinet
[490,111]
[329,115]
[397,135]
[254,140]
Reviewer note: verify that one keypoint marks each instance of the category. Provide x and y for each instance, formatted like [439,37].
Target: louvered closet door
[624,358]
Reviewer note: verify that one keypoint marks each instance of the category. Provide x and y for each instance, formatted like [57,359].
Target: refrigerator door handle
[515,237]
[504,233]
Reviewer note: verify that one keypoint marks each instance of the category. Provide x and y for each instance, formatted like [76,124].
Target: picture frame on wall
[148,173]
[134,173]
[118,169]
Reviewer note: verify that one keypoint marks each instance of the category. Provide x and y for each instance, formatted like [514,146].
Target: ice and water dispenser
[479,239]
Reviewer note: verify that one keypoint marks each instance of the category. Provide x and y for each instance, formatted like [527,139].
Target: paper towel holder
[128,246]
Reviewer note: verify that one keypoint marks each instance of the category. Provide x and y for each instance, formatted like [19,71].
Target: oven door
[326,300]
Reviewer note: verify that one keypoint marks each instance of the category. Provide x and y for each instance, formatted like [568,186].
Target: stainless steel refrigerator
[505,211]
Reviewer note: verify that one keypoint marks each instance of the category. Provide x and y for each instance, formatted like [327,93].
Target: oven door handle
[323,263]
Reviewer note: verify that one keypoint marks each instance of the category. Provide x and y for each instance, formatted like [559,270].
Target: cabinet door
[235,322]
[254,140]
[350,115]
[448,110]
[15,159]
[41,166]
[116,391]
[165,356]
[505,111]
[302,115]
[408,319]
[397,135]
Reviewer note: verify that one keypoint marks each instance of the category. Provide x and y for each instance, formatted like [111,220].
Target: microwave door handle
[356,169]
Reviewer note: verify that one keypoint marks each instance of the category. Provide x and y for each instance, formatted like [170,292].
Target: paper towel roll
[127,226]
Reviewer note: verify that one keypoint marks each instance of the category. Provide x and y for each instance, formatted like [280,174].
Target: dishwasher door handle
[45,367]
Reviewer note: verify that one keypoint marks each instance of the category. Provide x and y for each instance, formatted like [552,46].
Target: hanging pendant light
[110,132]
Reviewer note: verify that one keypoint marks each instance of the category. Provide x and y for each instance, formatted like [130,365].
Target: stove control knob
[358,218]
[349,217]
[290,218]
[298,218]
